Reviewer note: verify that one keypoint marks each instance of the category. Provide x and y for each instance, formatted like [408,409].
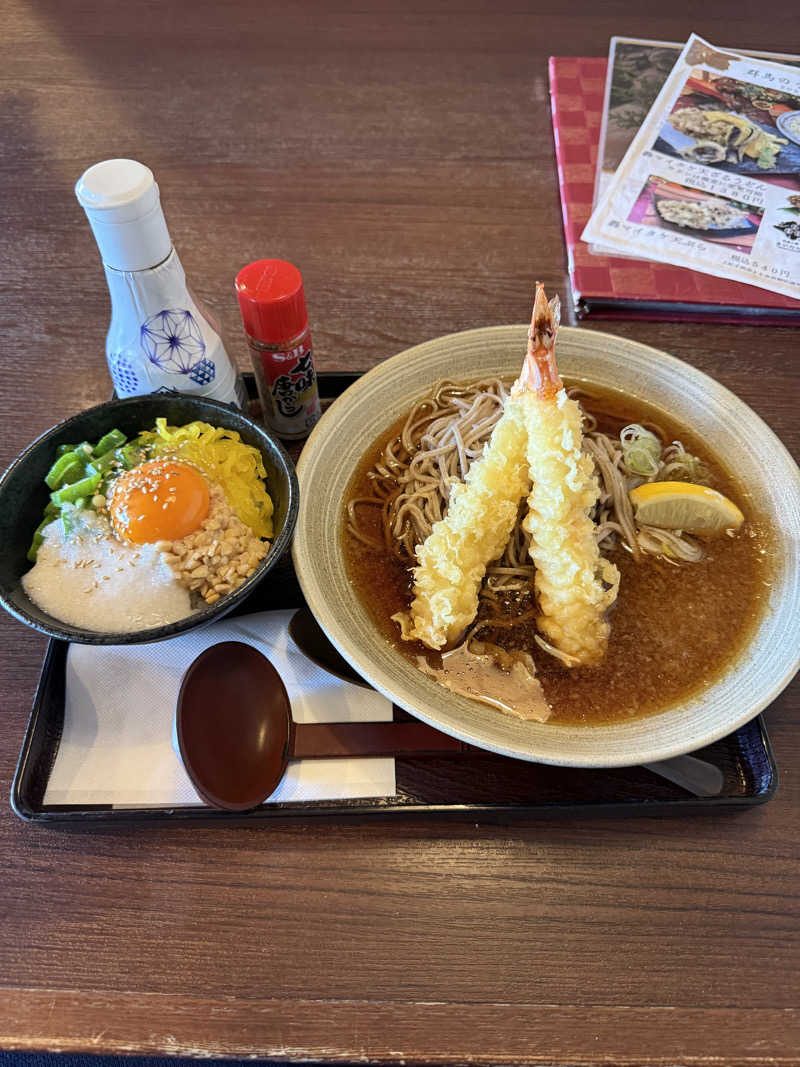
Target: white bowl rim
[327,620]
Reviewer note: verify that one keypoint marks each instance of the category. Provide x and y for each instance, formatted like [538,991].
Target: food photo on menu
[637,71]
[710,218]
[711,178]
[734,125]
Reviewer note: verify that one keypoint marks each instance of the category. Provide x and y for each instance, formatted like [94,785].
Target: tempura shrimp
[453,558]
[574,585]
[537,439]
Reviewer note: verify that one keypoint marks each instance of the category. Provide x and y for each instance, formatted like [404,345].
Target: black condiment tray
[476,786]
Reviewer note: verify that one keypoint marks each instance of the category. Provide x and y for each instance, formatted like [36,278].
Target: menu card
[611,286]
[711,181]
[637,70]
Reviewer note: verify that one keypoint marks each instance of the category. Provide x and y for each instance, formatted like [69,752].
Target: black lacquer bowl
[23,496]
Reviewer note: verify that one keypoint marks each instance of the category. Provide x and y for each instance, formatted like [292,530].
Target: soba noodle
[447,430]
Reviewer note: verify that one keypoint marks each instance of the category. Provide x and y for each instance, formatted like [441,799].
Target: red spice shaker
[273,307]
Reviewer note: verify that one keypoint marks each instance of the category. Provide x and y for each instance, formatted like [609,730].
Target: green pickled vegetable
[56,476]
[130,455]
[36,544]
[105,462]
[70,515]
[77,474]
[108,459]
[38,537]
[113,439]
[86,487]
[74,474]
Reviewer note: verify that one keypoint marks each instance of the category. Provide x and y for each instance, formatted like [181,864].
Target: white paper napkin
[117,743]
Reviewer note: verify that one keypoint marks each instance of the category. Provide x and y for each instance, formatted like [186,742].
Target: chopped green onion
[641,450]
[680,465]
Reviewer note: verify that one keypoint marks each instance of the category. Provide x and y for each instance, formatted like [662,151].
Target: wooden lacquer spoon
[236,733]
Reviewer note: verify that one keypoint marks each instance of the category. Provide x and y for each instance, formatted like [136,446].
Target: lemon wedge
[695,509]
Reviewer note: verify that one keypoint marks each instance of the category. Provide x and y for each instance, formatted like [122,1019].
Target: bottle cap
[121,201]
[271,300]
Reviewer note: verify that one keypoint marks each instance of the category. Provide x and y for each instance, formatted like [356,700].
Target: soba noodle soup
[685,608]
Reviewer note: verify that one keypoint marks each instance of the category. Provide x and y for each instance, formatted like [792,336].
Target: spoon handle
[695,775]
[398,739]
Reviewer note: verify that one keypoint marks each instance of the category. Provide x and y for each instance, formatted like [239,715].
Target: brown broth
[674,629]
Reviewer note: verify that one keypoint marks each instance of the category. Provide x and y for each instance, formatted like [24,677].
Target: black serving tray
[476,786]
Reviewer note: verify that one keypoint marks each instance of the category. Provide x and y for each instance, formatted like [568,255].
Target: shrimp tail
[539,372]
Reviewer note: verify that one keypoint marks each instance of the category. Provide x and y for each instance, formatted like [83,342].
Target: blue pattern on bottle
[123,374]
[172,340]
[203,372]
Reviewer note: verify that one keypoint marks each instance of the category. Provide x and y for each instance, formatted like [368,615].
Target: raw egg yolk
[158,501]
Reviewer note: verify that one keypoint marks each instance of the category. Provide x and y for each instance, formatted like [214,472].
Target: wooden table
[402,156]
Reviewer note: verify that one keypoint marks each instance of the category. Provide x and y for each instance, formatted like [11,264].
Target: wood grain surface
[401,154]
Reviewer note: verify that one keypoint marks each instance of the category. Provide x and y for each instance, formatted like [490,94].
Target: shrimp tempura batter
[574,585]
[538,438]
[453,558]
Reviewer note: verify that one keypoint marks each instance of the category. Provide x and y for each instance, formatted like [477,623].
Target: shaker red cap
[271,300]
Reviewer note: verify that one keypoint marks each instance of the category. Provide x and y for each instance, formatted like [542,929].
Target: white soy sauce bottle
[159,339]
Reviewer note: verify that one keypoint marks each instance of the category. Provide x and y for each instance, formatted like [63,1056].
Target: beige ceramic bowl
[729,427]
